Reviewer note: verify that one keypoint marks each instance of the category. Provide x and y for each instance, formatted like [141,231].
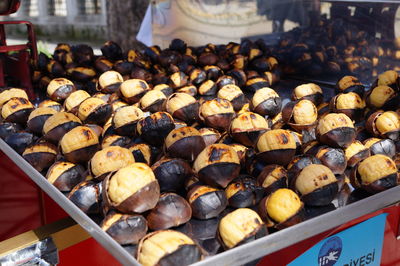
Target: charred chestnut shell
[19,141]
[173,248]
[7,128]
[153,101]
[38,117]
[132,90]
[247,127]
[185,143]
[350,84]
[280,216]
[206,202]
[355,153]
[384,124]
[40,155]
[57,125]
[108,160]
[336,130]
[334,159]
[276,146]
[182,106]
[17,110]
[233,94]
[375,174]
[125,228]
[350,104]
[94,111]
[217,113]
[244,192]
[272,177]
[240,227]
[87,196]
[114,140]
[143,152]
[60,88]
[381,146]
[317,185]
[266,102]
[171,174]
[300,115]
[155,128]
[171,210]
[132,189]
[79,144]
[65,175]
[309,91]
[109,81]
[125,120]
[217,165]
[297,164]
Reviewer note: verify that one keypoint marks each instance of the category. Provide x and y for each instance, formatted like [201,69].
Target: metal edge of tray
[80,217]
[237,256]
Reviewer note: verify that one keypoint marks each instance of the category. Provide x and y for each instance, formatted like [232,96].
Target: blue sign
[359,245]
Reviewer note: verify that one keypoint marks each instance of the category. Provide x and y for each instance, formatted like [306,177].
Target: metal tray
[242,254]
[236,256]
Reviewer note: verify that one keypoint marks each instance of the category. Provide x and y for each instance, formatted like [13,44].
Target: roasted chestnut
[94,111]
[65,175]
[57,125]
[125,228]
[207,88]
[375,174]
[350,104]
[244,192]
[38,117]
[389,78]
[60,88]
[7,128]
[384,124]
[276,146]
[125,119]
[350,84]
[336,130]
[247,127]
[178,80]
[114,140]
[217,165]
[19,141]
[167,247]
[110,81]
[185,143]
[272,177]
[87,196]
[171,210]
[17,110]
[52,104]
[210,135]
[109,159]
[153,101]
[317,185]
[206,202]
[309,91]
[6,95]
[40,155]
[300,115]
[171,174]
[355,153]
[382,97]
[155,128]
[132,90]
[381,146]
[266,102]
[217,113]
[79,144]
[240,227]
[142,153]
[164,88]
[81,73]
[256,83]
[73,101]
[182,106]
[233,94]
[281,209]
[334,159]
[197,76]
[132,189]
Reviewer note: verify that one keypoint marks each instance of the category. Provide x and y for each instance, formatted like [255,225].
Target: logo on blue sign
[330,251]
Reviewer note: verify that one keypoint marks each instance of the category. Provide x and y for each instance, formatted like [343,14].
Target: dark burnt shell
[244,192]
[8,128]
[155,128]
[185,143]
[206,202]
[272,177]
[171,174]
[333,158]
[87,196]
[19,141]
[65,175]
[40,155]
[171,210]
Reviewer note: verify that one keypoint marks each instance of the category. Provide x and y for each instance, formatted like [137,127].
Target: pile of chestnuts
[191,152]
